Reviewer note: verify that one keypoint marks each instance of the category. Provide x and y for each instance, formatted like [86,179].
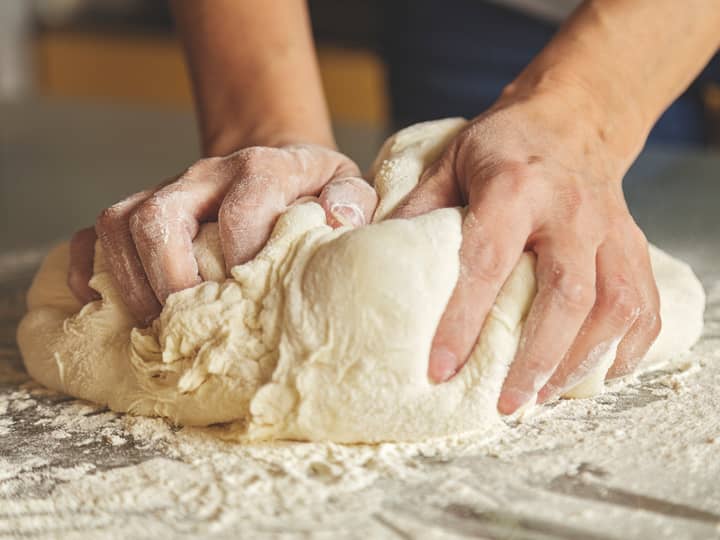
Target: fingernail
[443,364]
[511,400]
[347,214]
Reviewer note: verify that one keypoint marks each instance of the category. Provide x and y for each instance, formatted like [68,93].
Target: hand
[539,174]
[147,238]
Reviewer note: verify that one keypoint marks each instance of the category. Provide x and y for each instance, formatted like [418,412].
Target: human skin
[541,171]
[267,140]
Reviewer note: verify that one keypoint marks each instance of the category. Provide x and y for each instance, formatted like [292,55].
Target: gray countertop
[61,163]
[543,478]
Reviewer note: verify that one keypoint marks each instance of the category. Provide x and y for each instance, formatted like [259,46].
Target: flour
[638,461]
[325,335]
[190,481]
[586,464]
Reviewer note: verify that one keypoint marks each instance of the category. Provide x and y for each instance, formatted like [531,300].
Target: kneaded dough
[324,336]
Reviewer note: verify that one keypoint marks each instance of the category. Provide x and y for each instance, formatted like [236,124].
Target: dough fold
[324,336]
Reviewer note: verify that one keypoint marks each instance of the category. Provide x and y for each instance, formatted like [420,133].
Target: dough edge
[286,372]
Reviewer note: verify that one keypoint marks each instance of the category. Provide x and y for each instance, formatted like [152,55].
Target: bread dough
[324,336]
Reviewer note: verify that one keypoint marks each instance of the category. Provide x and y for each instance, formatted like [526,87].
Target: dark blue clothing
[453,58]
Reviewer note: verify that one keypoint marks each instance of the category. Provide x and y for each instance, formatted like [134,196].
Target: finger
[566,293]
[164,225]
[494,236]
[113,230]
[348,202]
[437,188]
[267,182]
[82,253]
[616,308]
[645,329]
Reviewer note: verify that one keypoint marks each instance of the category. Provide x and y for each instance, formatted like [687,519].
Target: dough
[324,336]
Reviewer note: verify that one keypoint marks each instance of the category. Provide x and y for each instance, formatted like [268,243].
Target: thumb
[348,201]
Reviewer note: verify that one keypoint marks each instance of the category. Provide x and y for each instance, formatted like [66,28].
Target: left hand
[147,237]
[543,173]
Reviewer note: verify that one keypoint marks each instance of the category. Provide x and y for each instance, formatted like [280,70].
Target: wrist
[582,67]
[232,137]
[570,98]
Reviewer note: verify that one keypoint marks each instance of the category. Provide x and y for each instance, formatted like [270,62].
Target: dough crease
[325,335]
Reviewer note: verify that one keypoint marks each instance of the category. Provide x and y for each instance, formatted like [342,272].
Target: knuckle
[652,323]
[109,219]
[252,156]
[202,167]
[252,194]
[209,162]
[148,211]
[571,198]
[488,262]
[511,180]
[572,289]
[226,213]
[147,214]
[516,173]
[230,215]
[259,165]
[116,217]
[622,302]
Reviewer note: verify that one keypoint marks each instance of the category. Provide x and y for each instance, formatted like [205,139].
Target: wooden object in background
[148,68]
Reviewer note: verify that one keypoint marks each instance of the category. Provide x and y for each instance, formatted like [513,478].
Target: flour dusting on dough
[324,336]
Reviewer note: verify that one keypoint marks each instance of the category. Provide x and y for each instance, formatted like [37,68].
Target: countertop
[576,469]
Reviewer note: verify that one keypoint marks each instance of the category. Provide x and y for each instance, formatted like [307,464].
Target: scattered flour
[134,476]
[639,461]
[325,334]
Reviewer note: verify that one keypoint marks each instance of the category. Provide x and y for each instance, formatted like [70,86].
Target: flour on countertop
[77,467]
[325,334]
[639,461]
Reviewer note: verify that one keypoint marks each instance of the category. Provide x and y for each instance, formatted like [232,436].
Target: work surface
[640,461]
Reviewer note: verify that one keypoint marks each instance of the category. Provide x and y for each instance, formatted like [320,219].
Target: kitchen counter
[640,461]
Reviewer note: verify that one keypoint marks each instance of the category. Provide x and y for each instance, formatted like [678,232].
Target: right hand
[147,237]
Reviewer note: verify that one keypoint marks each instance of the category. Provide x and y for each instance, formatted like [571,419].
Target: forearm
[254,73]
[627,60]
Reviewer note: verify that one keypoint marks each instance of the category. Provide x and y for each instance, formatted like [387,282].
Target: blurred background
[124,51]
[95,101]
[95,104]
